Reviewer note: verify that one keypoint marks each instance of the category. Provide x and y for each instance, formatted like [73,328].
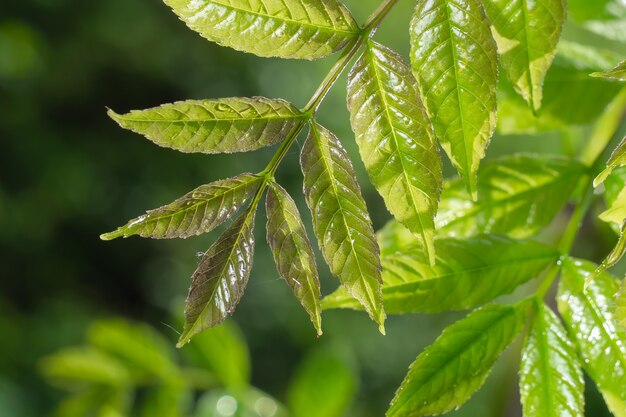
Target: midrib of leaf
[543,351]
[531,86]
[215,119]
[283,19]
[427,242]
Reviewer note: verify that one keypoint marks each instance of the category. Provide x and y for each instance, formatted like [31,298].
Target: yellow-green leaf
[617,159]
[616,73]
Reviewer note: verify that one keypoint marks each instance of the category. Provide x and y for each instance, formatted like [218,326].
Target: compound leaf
[223,125]
[526,33]
[617,159]
[341,221]
[292,251]
[307,29]
[395,139]
[448,372]
[455,62]
[468,273]
[551,378]
[221,278]
[588,314]
[197,212]
[616,73]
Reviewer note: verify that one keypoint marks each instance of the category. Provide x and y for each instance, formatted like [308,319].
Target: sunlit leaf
[616,73]
[395,139]
[455,62]
[394,237]
[616,213]
[223,125]
[341,221]
[526,33]
[620,305]
[197,212]
[615,198]
[600,340]
[468,273]
[551,378]
[306,29]
[617,159]
[447,373]
[221,278]
[292,251]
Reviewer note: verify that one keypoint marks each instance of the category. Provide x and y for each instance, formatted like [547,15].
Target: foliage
[456,244]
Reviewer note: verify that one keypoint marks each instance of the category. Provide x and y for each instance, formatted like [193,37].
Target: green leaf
[292,251]
[615,255]
[616,213]
[307,29]
[394,237]
[164,401]
[526,33]
[223,125]
[395,139]
[468,273]
[221,278]
[616,73]
[551,378]
[447,373]
[455,62]
[197,212]
[620,305]
[589,316]
[617,159]
[341,221]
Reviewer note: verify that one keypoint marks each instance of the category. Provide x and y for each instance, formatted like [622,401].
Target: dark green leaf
[292,251]
[449,371]
[455,62]
[223,125]
[616,73]
[197,212]
[468,273]
[221,278]
[527,33]
[341,221]
[395,139]
[306,29]
[551,378]
[600,340]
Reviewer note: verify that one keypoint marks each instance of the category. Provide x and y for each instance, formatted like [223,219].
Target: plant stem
[374,21]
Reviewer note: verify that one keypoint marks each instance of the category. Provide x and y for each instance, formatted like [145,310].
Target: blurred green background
[68,173]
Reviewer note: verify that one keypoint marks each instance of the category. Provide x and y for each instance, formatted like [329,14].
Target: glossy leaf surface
[292,251]
[468,273]
[306,29]
[448,372]
[455,62]
[617,159]
[197,212]
[223,125]
[221,277]
[395,139]
[340,219]
[616,73]
[526,33]
[615,199]
[551,377]
[589,316]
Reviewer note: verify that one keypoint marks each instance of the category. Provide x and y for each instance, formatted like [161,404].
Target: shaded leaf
[468,273]
[617,159]
[455,62]
[447,373]
[395,139]
[197,212]
[394,237]
[223,125]
[340,219]
[306,29]
[589,316]
[526,33]
[83,366]
[292,251]
[616,73]
[551,378]
[221,278]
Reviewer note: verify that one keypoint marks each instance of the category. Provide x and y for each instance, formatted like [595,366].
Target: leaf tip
[108,236]
[381,329]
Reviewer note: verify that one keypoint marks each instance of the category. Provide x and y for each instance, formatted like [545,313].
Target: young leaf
[588,314]
[395,139]
[221,278]
[468,273]
[341,221]
[527,33]
[197,212]
[292,251]
[617,159]
[455,62]
[223,125]
[447,373]
[616,73]
[307,29]
[551,378]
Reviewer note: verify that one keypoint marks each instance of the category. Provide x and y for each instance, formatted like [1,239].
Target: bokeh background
[109,312]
